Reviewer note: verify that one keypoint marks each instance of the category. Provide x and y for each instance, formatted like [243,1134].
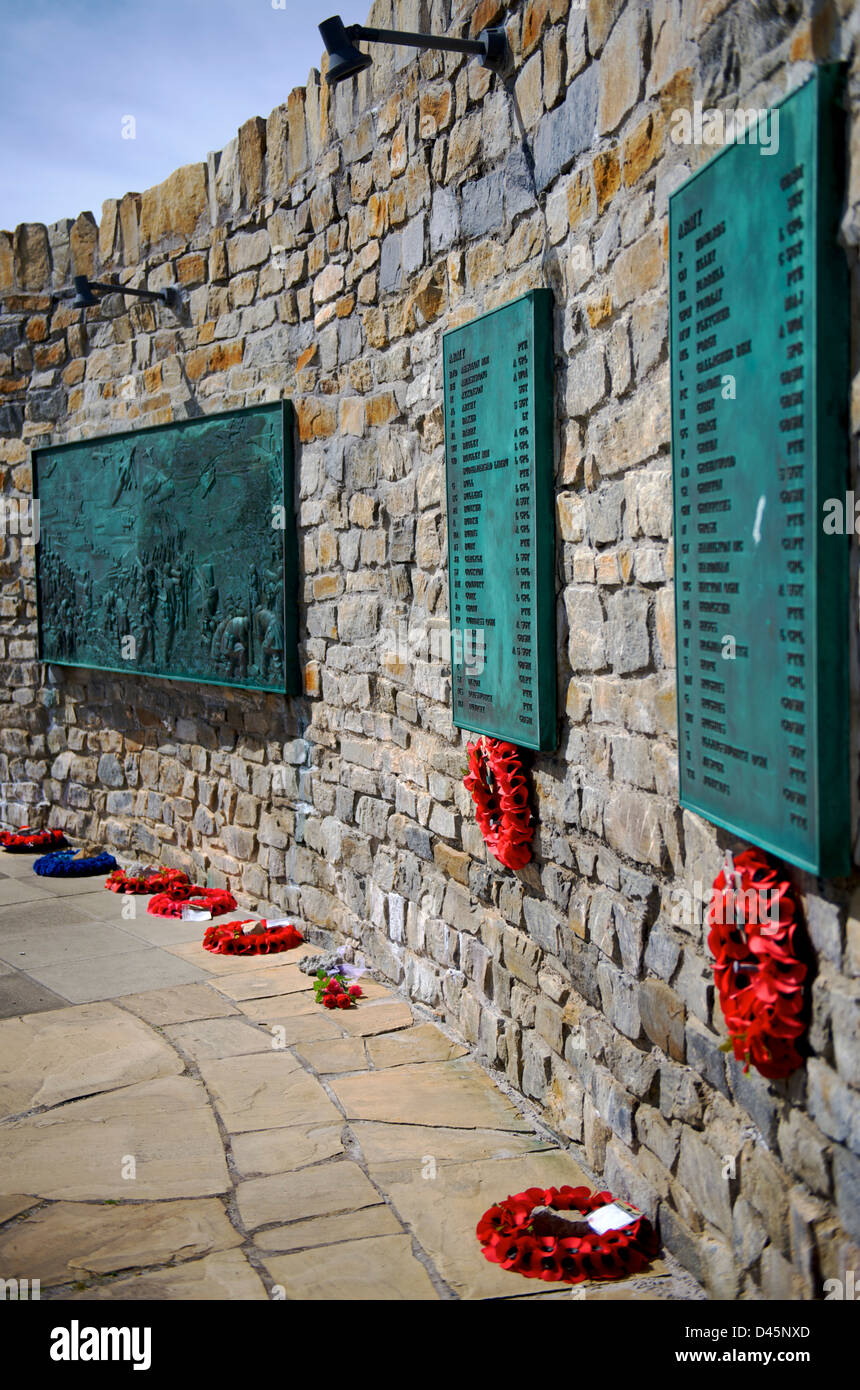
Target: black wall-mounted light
[83,296]
[346,60]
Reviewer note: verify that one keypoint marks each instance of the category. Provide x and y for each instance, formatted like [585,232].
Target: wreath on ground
[150,881]
[497,785]
[25,838]
[521,1235]
[64,864]
[170,903]
[250,938]
[759,977]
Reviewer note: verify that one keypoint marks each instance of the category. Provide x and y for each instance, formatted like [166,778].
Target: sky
[189,73]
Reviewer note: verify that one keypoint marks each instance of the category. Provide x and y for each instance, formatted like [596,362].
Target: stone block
[482,206]
[619,996]
[663,1016]
[700,1172]
[803,1150]
[620,69]
[632,826]
[833,1105]
[846,1180]
[568,130]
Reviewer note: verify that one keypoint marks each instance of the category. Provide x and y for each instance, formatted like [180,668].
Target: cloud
[189,71]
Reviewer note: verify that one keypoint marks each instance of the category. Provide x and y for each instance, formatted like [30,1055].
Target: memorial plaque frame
[500,481]
[141,535]
[761,591]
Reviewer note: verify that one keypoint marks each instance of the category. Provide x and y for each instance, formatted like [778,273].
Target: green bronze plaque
[171,551]
[501,522]
[759,339]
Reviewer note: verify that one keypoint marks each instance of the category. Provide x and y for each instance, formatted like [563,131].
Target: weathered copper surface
[171,551]
[759,343]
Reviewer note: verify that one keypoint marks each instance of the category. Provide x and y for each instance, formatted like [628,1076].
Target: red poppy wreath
[516,1235]
[231,940]
[759,978]
[170,903]
[17,841]
[150,881]
[497,785]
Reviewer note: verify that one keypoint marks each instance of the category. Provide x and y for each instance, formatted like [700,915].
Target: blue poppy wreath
[66,865]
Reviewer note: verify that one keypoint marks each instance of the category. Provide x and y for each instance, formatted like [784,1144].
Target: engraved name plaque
[758,333]
[501,528]
[171,551]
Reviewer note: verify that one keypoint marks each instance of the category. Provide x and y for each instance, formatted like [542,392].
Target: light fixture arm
[407,40]
[169,295]
[345,60]
[82,293]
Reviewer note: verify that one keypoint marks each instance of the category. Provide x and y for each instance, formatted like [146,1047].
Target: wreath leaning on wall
[497,785]
[753,925]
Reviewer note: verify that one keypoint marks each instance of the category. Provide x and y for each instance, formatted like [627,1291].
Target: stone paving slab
[443,1212]
[273,1093]
[382,1267]
[226,1276]
[215,964]
[309,1025]
[266,1151]
[162,931]
[79,1151]
[35,947]
[21,995]
[59,1242]
[657,1285]
[218,1037]
[409,1145]
[20,890]
[264,982]
[53,917]
[180,1004]
[276,1008]
[334,1056]
[322,1190]
[14,1204]
[110,976]
[71,886]
[423,1043]
[456,1094]
[375,1018]
[329,1230]
[18,865]
[49,1058]
[105,906]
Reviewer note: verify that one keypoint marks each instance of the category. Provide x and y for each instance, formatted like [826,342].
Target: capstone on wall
[324,251]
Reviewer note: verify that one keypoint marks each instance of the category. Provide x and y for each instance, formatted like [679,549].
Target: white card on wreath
[611,1218]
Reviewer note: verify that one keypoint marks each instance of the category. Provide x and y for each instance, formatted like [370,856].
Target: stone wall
[324,252]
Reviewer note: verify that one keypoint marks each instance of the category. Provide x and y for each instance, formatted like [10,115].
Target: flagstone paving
[180,1125]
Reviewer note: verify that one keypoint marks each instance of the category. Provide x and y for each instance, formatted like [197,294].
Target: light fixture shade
[84,296]
[345,60]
